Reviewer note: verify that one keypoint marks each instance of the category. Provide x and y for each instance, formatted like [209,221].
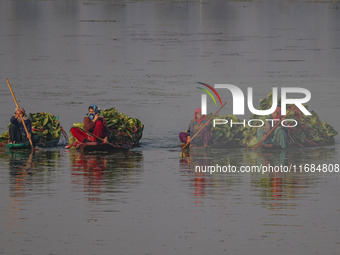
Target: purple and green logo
[204,96]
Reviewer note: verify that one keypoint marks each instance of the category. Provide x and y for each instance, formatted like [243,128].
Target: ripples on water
[99,175]
[283,190]
[144,58]
[141,195]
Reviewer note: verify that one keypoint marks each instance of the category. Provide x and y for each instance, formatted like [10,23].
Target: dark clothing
[17,131]
[183,136]
[18,122]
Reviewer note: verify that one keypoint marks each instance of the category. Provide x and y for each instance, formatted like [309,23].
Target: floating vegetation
[309,132]
[124,129]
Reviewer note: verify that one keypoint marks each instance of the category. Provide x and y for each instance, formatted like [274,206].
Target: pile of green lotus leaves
[235,136]
[310,131]
[124,130]
[45,126]
[4,138]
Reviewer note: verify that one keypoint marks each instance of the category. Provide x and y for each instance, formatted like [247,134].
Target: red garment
[199,110]
[89,125]
[278,111]
[98,130]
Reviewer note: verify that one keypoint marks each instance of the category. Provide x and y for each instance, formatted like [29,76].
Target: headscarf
[278,112]
[199,110]
[96,111]
[23,111]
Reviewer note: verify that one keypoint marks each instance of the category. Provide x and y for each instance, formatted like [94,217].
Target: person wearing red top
[94,124]
[204,138]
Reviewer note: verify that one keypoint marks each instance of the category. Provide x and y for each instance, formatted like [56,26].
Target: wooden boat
[94,146]
[17,146]
[25,146]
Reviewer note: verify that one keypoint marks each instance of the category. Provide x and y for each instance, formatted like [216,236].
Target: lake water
[144,58]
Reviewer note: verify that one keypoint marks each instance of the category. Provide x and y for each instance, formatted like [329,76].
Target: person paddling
[17,133]
[203,138]
[94,124]
[279,137]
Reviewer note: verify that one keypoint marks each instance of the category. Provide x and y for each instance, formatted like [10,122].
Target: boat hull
[100,147]
[25,146]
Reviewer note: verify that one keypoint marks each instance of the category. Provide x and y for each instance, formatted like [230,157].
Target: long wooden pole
[22,119]
[89,133]
[272,130]
[195,135]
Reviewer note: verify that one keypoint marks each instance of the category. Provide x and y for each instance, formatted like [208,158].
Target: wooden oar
[22,119]
[197,133]
[89,133]
[272,130]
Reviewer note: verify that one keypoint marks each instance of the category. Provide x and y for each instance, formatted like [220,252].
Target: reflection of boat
[105,173]
[18,146]
[26,167]
[209,174]
[94,146]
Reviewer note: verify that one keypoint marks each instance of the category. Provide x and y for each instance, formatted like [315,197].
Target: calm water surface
[144,58]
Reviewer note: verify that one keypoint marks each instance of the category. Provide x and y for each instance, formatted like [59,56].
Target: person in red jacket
[94,124]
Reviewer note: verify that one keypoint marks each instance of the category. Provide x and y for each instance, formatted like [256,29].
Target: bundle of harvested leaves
[310,130]
[45,127]
[124,130]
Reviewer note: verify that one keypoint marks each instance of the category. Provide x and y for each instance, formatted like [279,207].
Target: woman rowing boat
[196,124]
[279,137]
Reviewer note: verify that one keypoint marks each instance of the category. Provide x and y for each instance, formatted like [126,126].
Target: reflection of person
[188,162]
[279,137]
[20,169]
[17,132]
[93,169]
[195,125]
[94,124]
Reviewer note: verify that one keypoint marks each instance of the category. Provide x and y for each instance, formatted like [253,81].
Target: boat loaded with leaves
[124,133]
[299,130]
[46,132]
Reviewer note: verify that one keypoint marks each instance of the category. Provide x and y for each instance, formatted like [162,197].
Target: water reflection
[99,175]
[31,171]
[199,181]
[278,190]
[29,176]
